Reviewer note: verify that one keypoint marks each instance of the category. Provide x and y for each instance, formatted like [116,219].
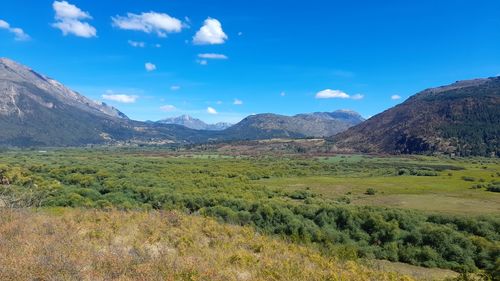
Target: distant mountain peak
[194,123]
[346,116]
[186,117]
[347,111]
[318,124]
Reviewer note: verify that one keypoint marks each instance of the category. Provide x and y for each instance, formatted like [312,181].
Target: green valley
[423,211]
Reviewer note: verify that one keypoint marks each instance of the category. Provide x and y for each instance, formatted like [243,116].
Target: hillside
[319,124]
[66,244]
[18,82]
[194,123]
[462,118]
[38,111]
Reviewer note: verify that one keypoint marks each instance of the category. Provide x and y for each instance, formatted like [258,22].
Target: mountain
[462,118]
[219,126]
[17,80]
[347,116]
[36,110]
[319,124]
[193,123]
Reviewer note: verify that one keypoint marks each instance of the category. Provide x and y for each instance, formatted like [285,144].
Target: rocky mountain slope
[17,80]
[38,111]
[462,118]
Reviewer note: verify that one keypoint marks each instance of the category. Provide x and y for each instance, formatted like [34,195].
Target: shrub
[370,191]
[467,178]
[493,187]
[301,195]
[420,172]
[404,171]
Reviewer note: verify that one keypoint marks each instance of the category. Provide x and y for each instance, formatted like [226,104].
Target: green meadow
[447,192]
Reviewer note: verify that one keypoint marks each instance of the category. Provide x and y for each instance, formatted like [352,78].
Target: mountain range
[462,119]
[36,110]
[319,124]
[194,123]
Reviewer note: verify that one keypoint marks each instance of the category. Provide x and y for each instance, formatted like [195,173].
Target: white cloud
[210,56]
[149,66]
[75,27]
[4,24]
[175,87]
[237,102]
[210,33]
[219,102]
[69,20]
[119,97]
[357,97]
[19,34]
[395,97]
[136,44]
[332,94]
[282,94]
[211,110]
[202,62]
[168,108]
[240,33]
[65,10]
[213,56]
[157,45]
[159,23]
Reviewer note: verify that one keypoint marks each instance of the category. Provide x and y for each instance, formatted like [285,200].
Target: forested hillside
[461,119]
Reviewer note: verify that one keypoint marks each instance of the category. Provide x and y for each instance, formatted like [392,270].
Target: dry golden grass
[68,244]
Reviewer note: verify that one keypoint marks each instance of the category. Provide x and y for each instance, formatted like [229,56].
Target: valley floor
[447,192]
[165,214]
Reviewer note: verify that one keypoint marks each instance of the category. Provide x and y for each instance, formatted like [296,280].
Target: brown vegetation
[69,244]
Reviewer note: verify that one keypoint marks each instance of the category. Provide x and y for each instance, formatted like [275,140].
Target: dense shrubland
[226,188]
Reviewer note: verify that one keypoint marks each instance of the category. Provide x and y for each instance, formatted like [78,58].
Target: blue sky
[223,60]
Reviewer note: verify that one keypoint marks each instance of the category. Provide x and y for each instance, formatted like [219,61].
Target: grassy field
[418,211]
[447,192]
[69,244]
